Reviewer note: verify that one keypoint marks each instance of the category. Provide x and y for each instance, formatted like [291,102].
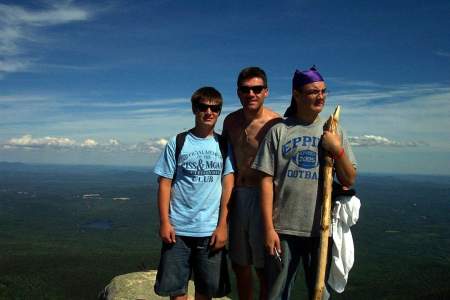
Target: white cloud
[9,37]
[27,141]
[20,99]
[400,113]
[114,142]
[374,140]
[355,83]
[442,53]
[131,104]
[19,26]
[63,143]
[12,66]
[162,142]
[150,146]
[409,113]
[389,94]
[89,143]
[58,13]
[156,145]
[60,114]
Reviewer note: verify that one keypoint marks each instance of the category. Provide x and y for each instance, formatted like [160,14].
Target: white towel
[345,214]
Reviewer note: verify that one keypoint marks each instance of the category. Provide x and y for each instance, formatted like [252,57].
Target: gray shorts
[246,229]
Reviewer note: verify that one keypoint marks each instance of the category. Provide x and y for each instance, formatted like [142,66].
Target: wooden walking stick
[331,125]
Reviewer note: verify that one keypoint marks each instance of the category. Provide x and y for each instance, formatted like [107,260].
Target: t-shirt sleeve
[165,166]
[229,161]
[265,157]
[347,147]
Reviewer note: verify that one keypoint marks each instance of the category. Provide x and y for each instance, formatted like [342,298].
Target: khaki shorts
[246,229]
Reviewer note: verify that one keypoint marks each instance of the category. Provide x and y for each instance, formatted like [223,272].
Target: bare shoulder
[232,119]
[268,119]
[271,118]
[270,114]
[234,115]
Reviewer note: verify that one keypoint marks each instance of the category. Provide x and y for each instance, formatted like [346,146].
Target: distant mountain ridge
[4,165]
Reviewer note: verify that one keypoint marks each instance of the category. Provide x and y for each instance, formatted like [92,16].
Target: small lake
[97,224]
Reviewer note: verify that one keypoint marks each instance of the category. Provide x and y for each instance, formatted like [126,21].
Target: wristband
[339,155]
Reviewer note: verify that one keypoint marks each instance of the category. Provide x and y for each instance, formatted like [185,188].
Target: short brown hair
[206,93]
[251,72]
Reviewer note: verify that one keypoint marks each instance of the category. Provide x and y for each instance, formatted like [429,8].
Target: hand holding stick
[331,126]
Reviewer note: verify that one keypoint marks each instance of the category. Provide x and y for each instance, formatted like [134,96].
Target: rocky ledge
[136,286]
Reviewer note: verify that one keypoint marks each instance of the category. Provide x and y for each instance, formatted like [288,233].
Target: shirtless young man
[245,129]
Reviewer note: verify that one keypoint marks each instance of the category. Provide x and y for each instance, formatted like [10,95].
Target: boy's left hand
[331,142]
[219,238]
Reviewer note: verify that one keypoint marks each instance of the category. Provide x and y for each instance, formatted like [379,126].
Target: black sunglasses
[213,107]
[246,89]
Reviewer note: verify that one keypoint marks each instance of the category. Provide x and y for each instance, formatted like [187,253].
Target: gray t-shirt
[290,152]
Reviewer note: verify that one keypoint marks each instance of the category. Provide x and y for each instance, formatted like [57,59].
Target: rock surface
[137,286]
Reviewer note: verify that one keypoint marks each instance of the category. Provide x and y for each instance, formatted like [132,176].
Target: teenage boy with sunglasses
[194,190]
[244,129]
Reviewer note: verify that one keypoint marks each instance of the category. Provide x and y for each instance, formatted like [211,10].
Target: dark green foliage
[47,253]
[50,251]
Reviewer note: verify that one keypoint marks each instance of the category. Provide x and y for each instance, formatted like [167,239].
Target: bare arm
[220,235]
[225,127]
[345,171]
[166,231]
[272,240]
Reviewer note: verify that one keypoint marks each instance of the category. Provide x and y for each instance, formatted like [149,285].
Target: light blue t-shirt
[197,189]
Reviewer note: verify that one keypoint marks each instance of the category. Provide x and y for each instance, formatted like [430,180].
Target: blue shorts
[191,255]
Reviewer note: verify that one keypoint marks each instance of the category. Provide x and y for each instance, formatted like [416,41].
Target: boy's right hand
[272,242]
[167,233]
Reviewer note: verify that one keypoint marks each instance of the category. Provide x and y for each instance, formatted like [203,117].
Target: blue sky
[109,81]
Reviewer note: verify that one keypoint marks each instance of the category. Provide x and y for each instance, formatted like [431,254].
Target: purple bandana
[300,79]
[304,77]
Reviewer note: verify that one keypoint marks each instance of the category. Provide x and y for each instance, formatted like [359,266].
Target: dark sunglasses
[246,89]
[213,107]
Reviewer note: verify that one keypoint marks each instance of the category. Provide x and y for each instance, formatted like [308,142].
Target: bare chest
[246,140]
